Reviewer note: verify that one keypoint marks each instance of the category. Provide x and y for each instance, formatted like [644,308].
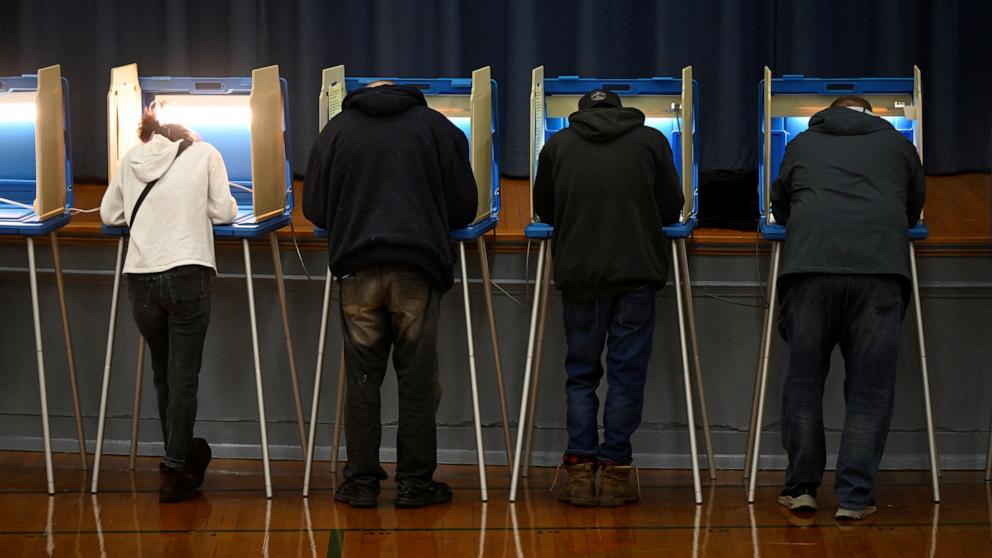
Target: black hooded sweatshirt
[608,184]
[847,191]
[389,178]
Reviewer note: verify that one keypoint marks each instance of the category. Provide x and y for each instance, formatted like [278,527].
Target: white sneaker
[802,502]
[844,513]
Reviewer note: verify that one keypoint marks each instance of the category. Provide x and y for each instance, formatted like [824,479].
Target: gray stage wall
[957,300]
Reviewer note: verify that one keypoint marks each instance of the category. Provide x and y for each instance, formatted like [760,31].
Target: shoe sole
[855,515]
[804,502]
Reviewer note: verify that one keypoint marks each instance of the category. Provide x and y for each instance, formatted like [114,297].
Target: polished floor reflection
[233,518]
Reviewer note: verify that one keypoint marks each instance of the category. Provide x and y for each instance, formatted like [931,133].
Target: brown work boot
[614,486]
[580,486]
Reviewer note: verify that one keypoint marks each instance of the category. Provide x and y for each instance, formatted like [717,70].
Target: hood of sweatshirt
[150,160]
[605,124]
[842,121]
[384,100]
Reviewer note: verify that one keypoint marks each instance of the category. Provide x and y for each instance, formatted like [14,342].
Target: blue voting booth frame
[21,136]
[543,126]
[335,86]
[234,142]
[777,129]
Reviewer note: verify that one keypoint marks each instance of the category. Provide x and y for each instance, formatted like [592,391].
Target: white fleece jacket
[173,226]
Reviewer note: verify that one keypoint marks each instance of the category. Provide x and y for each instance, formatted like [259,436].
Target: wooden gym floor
[233,518]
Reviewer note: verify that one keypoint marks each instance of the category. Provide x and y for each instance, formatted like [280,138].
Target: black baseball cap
[599,98]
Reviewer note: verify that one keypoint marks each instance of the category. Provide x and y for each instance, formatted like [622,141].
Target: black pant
[863,314]
[387,307]
[172,311]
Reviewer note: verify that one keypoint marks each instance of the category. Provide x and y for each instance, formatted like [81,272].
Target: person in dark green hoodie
[847,192]
[607,183]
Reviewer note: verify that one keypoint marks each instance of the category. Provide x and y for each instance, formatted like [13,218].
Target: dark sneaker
[357,494]
[799,498]
[197,460]
[176,486]
[414,493]
[614,486]
[580,484]
[856,515]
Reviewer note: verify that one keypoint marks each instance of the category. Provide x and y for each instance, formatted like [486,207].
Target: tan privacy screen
[268,150]
[49,144]
[536,126]
[123,114]
[332,92]
[688,176]
[482,139]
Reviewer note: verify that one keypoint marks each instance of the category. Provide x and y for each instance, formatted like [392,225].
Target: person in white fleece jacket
[168,267]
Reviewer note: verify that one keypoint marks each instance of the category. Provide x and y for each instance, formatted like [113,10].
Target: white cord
[18,204]
[239,187]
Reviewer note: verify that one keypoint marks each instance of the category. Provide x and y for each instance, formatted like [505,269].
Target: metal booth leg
[543,321]
[754,398]
[42,385]
[528,367]
[693,449]
[766,347]
[691,315]
[294,379]
[258,371]
[136,413]
[70,357]
[317,376]
[473,376]
[931,437]
[494,341]
[107,362]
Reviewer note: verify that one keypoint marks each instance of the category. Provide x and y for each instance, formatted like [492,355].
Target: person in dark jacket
[389,178]
[848,189]
[607,184]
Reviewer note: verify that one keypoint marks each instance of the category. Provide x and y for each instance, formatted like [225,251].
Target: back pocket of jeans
[637,307]
[188,287]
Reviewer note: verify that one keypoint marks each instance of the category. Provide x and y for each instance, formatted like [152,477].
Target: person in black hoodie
[847,191]
[389,178]
[607,184]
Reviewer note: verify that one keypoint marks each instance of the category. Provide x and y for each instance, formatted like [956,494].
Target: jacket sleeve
[781,191]
[460,192]
[544,186]
[221,206]
[667,187]
[112,204]
[917,194]
[316,182]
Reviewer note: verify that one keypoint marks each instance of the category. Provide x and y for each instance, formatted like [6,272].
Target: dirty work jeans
[387,307]
[863,314]
[172,311]
[625,324]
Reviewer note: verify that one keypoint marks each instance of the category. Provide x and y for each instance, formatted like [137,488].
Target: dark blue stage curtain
[727,42]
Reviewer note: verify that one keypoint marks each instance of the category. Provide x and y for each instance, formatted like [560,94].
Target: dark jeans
[172,311]
[863,314]
[387,307]
[625,324]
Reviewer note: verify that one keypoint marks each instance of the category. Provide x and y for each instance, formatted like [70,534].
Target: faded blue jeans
[625,324]
[863,314]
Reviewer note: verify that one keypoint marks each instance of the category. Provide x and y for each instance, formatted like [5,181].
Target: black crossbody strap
[148,187]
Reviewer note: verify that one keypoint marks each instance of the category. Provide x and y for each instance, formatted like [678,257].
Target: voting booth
[471,105]
[787,103]
[245,119]
[35,199]
[669,105]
